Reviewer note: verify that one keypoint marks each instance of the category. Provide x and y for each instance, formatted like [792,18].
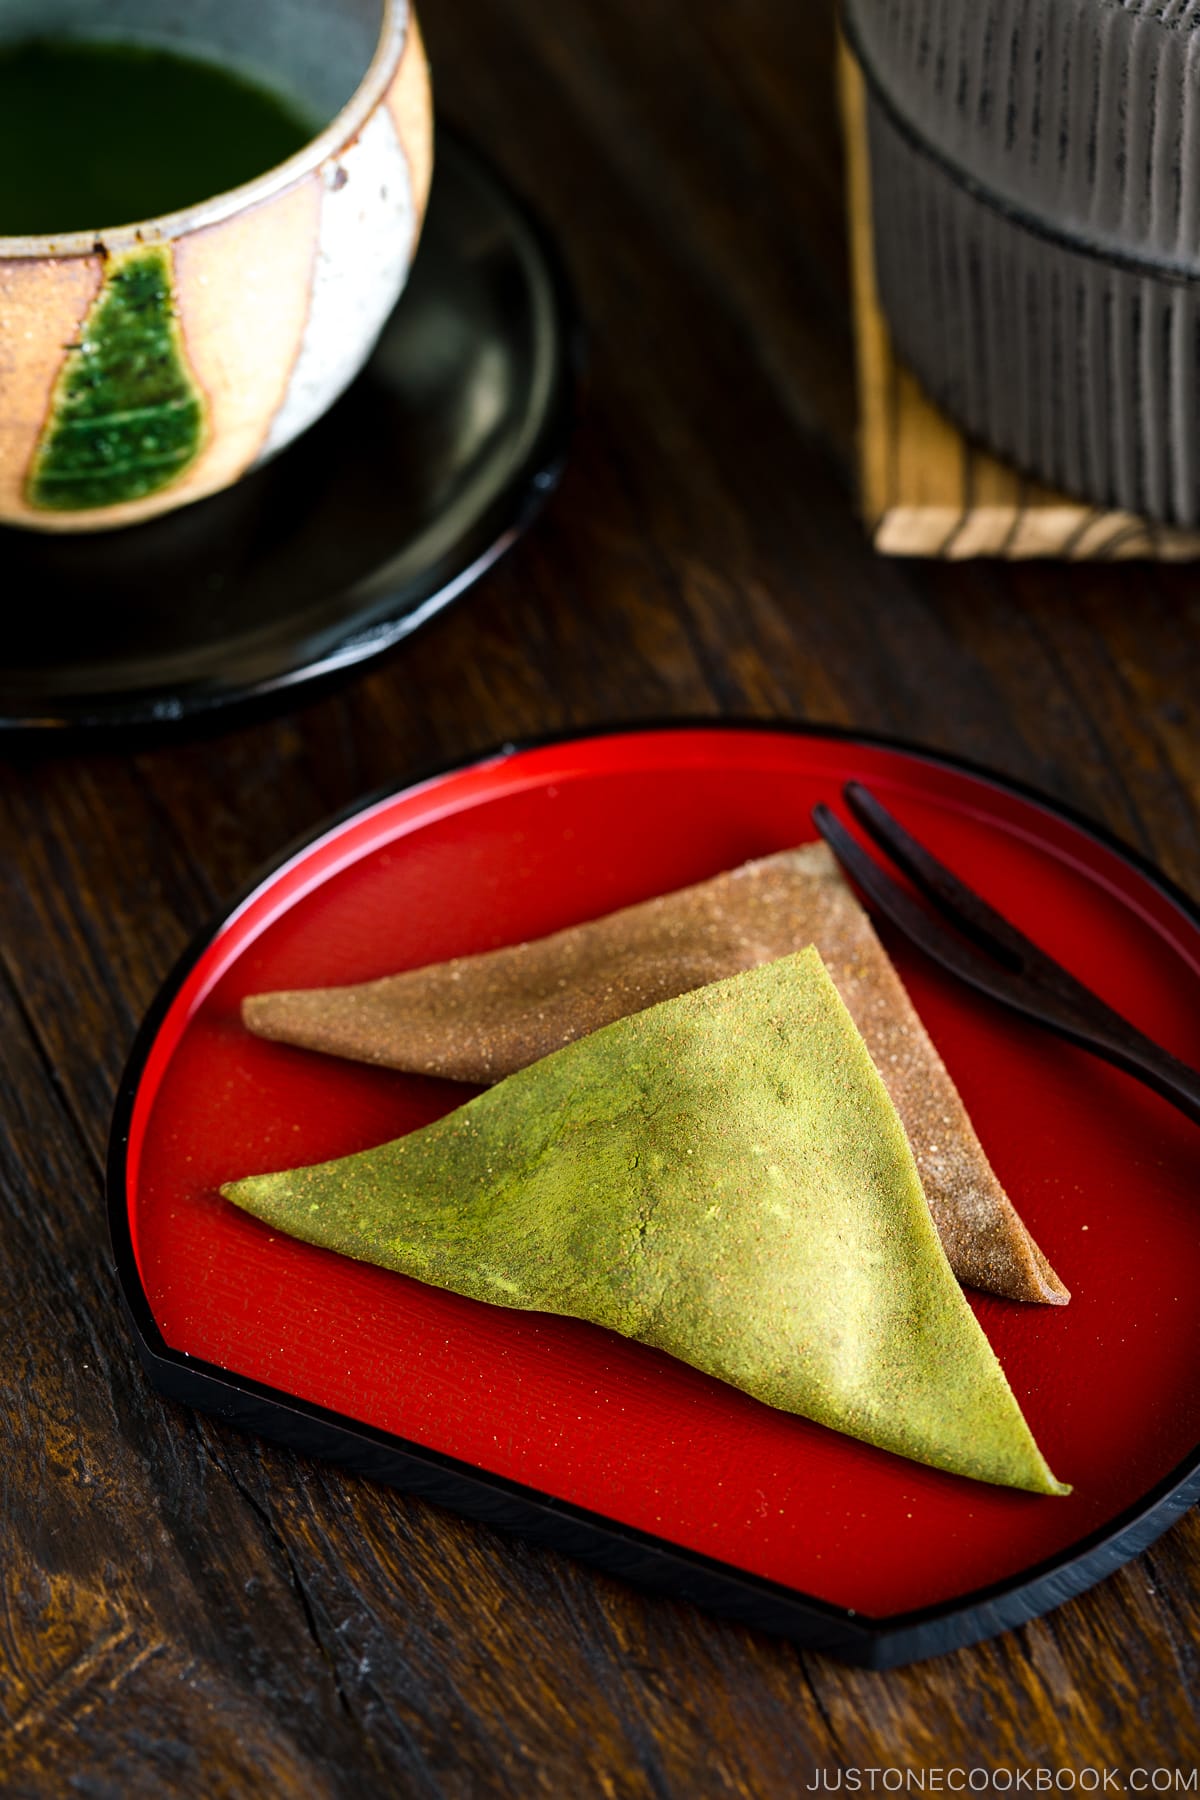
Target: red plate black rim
[640,1557]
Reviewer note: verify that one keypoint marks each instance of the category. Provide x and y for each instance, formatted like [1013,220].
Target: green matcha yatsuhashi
[723,1177]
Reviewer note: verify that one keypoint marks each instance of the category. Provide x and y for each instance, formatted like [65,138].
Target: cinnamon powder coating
[480,1018]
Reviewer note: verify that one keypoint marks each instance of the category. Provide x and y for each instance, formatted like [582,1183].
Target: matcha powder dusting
[722,1176]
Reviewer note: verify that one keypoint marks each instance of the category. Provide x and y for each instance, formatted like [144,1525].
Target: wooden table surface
[188,1611]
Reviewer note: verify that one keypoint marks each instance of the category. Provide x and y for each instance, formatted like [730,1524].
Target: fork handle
[1125,1046]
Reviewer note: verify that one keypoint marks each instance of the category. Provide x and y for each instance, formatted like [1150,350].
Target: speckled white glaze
[367,225]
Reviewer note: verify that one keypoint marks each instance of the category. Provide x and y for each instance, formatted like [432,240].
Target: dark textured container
[1035,174]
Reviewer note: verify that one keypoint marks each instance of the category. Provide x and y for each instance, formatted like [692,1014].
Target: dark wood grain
[186,1611]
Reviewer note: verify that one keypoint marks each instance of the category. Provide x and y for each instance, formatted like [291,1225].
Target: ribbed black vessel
[1035,172]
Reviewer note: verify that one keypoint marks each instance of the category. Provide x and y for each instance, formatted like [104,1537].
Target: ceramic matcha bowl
[146,363]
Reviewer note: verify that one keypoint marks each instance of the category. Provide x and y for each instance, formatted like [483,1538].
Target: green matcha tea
[102,134]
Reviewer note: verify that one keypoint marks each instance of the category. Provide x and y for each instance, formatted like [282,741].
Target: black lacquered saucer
[391,506]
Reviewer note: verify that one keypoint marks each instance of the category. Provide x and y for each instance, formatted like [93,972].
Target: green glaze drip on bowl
[127,417]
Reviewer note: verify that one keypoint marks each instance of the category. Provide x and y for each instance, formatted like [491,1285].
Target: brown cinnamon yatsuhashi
[480,1018]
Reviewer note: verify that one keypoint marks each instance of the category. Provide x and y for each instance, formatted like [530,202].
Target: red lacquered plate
[570,1433]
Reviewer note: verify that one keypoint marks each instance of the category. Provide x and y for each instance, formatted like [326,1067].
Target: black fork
[992,955]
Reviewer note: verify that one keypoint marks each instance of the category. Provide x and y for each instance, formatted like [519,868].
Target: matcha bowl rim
[397,24]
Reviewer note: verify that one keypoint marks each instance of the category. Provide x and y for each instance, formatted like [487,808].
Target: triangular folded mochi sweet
[479,1018]
[722,1177]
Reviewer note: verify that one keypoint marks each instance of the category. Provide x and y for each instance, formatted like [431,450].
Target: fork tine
[1037,986]
[961,904]
[910,918]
